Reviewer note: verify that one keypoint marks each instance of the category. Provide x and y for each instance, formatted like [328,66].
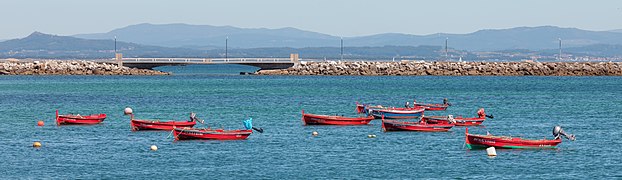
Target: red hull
[460,121]
[474,141]
[137,124]
[360,108]
[433,107]
[210,134]
[70,119]
[392,125]
[313,119]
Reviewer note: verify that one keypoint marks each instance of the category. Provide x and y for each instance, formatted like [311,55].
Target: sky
[345,18]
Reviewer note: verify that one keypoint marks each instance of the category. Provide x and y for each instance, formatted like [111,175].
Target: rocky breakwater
[61,67]
[422,68]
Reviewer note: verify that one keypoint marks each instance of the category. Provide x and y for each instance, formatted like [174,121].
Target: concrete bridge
[262,63]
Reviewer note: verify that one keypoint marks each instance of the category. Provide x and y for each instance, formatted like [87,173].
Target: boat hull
[313,119]
[210,134]
[484,141]
[400,113]
[70,119]
[391,125]
[137,125]
[460,121]
[433,107]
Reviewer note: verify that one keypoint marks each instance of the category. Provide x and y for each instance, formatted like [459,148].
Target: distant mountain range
[176,40]
[39,45]
[210,37]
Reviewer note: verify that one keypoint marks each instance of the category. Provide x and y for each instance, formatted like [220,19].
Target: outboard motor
[445,101]
[558,131]
[193,117]
[481,113]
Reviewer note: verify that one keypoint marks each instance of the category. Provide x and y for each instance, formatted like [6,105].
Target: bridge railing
[206,60]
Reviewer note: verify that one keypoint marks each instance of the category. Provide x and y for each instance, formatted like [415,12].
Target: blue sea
[529,107]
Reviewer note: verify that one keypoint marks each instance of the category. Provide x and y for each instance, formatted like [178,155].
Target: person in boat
[407,104]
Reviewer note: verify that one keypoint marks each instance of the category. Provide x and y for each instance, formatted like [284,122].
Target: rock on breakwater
[65,67]
[422,68]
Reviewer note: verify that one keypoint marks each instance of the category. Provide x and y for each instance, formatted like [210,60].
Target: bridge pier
[119,58]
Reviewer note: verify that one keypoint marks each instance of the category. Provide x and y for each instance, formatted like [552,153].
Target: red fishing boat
[139,124]
[216,134]
[397,113]
[459,121]
[474,141]
[77,119]
[210,134]
[433,107]
[394,125]
[365,108]
[314,119]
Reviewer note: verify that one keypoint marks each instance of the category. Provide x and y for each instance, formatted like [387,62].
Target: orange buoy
[40,123]
[37,144]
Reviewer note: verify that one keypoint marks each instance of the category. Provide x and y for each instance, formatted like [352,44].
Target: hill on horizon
[40,45]
[211,37]
[207,37]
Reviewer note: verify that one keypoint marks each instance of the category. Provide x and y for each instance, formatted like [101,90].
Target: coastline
[422,68]
[73,67]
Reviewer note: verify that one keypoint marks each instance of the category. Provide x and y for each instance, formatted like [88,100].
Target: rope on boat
[169,134]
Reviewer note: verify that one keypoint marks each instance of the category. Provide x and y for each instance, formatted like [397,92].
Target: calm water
[589,107]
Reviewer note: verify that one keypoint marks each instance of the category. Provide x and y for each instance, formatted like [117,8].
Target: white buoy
[154,147]
[491,151]
[371,136]
[315,133]
[127,111]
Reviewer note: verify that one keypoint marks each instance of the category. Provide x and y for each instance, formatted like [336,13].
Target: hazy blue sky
[336,17]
